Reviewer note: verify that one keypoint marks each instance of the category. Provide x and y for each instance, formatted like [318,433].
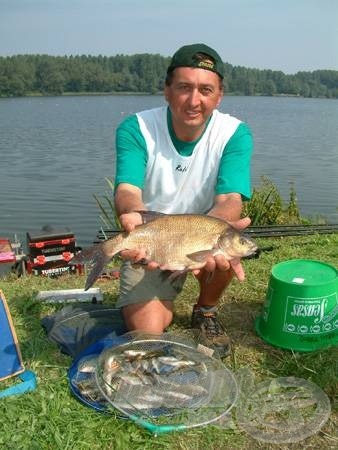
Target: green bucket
[301,306]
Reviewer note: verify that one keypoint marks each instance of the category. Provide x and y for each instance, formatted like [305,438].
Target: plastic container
[49,252]
[301,306]
[50,243]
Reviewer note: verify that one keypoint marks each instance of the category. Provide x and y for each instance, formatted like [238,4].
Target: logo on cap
[204,62]
[206,65]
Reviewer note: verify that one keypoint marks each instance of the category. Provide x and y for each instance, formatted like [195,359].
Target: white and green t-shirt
[178,176]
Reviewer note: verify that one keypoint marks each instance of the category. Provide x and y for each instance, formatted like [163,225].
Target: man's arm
[227,207]
[128,200]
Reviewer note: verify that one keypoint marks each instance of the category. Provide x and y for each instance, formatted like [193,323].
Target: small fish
[137,397]
[133,406]
[146,366]
[134,366]
[93,395]
[88,389]
[86,384]
[145,379]
[111,367]
[177,363]
[177,399]
[132,355]
[154,400]
[157,365]
[87,364]
[133,380]
[177,242]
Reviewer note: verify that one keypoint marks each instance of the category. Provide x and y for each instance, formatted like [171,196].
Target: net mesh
[163,379]
[166,383]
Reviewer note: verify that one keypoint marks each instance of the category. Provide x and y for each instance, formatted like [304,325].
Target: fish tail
[96,256]
[99,261]
[84,256]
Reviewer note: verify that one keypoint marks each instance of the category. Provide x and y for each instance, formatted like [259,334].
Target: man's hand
[220,263]
[128,222]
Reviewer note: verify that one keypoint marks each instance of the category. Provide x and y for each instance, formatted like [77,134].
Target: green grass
[51,418]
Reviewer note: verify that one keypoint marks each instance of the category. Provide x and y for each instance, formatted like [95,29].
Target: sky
[286,35]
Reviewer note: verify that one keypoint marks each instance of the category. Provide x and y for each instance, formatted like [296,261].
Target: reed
[266,206]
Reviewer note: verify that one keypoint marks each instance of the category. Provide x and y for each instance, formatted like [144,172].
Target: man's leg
[204,316]
[153,316]
[139,300]
[212,286]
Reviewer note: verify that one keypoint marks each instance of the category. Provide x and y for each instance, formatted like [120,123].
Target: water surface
[56,152]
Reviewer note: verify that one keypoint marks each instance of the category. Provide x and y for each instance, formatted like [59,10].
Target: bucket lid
[305,272]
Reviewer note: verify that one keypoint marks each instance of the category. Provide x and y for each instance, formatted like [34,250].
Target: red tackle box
[50,251]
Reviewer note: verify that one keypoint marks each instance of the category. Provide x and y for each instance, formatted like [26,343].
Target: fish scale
[154,237]
[176,242]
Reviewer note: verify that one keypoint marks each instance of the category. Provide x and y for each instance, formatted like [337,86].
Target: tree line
[23,75]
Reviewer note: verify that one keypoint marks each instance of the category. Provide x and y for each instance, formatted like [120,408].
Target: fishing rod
[290,230]
[262,230]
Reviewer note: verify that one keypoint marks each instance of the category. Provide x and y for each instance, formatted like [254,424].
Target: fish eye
[242,241]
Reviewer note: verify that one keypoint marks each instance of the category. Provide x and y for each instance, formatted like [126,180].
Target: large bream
[177,242]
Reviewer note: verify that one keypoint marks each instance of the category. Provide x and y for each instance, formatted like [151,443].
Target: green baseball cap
[197,55]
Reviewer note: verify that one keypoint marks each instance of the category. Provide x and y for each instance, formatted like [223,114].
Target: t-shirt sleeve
[234,169]
[131,153]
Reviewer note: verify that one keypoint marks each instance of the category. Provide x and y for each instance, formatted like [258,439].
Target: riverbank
[146,94]
[50,417]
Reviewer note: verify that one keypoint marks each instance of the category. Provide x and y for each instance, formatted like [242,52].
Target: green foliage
[106,205]
[292,210]
[266,206]
[53,75]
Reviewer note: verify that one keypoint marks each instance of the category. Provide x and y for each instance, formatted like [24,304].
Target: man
[184,158]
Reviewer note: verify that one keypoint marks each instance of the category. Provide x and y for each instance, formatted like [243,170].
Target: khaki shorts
[138,285]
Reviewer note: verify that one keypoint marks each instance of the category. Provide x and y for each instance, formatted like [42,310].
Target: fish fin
[84,256]
[173,275]
[99,262]
[177,274]
[95,256]
[148,216]
[202,255]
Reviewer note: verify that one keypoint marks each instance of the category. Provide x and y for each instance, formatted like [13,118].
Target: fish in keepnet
[177,242]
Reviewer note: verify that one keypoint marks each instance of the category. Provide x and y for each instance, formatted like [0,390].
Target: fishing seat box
[7,257]
[50,252]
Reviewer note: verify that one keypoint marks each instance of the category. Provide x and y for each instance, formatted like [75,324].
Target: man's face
[192,96]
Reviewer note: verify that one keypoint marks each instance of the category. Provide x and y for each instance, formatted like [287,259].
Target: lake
[57,151]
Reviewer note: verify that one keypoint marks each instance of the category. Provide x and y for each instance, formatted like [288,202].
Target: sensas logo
[315,310]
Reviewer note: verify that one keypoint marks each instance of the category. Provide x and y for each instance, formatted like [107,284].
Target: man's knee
[152,316]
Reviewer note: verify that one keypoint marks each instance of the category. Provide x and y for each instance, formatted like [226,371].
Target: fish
[172,361]
[132,355]
[137,355]
[136,379]
[87,364]
[89,389]
[177,242]
[111,367]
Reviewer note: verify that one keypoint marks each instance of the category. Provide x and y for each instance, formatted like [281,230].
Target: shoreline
[149,94]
